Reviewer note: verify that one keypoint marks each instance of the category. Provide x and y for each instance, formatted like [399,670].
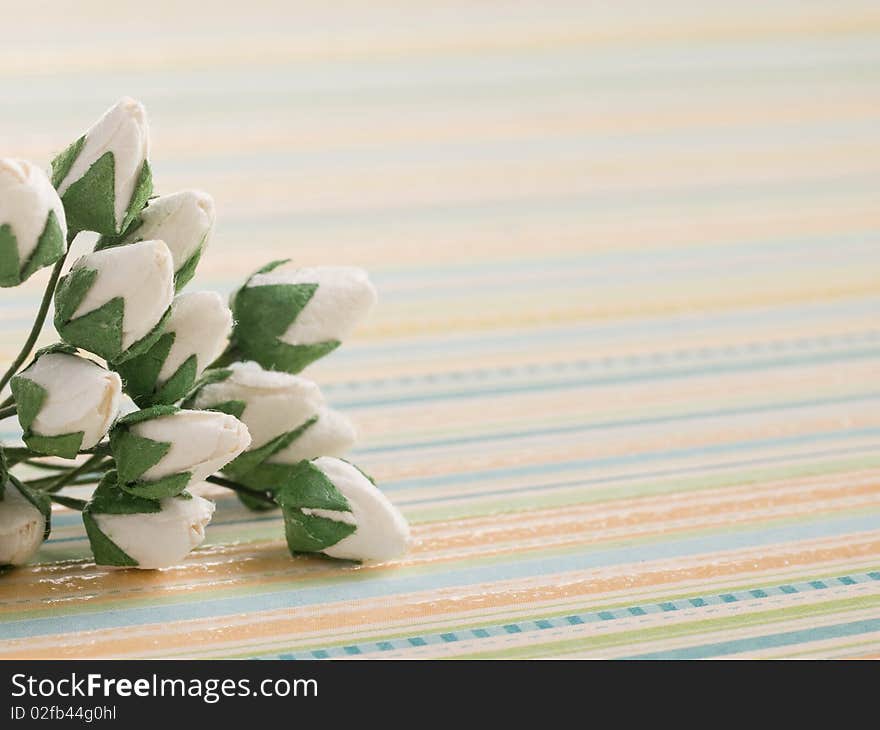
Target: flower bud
[183,220]
[114,302]
[129,531]
[333,508]
[33,229]
[161,450]
[287,318]
[65,402]
[270,404]
[195,334]
[277,408]
[25,522]
[104,178]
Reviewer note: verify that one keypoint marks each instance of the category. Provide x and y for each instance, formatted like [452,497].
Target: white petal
[343,298]
[183,220]
[123,131]
[201,442]
[80,396]
[382,532]
[202,324]
[331,435]
[142,273]
[26,197]
[160,539]
[274,402]
[21,528]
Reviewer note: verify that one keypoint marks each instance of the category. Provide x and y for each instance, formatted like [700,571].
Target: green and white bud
[65,402]
[104,177]
[161,450]
[114,302]
[25,521]
[287,318]
[334,508]
[183,220]
[278,409]
[129,531]
[195,334]
[33,229]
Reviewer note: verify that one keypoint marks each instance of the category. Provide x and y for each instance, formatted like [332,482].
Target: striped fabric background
[623,378]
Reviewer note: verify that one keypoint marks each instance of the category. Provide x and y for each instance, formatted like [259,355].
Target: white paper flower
[65,402]
[160,451]
[33,228]
[333,508]
[153,539]
[194,335]
[184,220]
[343,297]
[22,527]
[269,403]
[288,317]
[114,299]
[103,178]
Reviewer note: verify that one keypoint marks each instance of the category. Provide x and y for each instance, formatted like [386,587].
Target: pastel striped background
[623,378]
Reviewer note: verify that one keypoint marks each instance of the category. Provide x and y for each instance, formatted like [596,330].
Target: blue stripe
[769,641]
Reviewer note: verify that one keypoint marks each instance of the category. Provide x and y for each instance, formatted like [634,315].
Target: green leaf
[38,500]
[230,407]
[55,347]
[109,499]
[10,271]
[311,534]
[170,486]
[262,314]
[185,273]
[65,445]
[209,377]
[262,270]
[62,163]
[143,189]
[89,202]
[134,454]
[50,247]
[290,358]
[146,342]
[99,331]
[308,486]
[179,384]
[139,374]
[106,551]
[71,290]
[29,398]
[245,463]
[146,414]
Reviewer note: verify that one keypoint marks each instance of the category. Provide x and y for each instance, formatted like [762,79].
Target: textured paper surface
[622,375]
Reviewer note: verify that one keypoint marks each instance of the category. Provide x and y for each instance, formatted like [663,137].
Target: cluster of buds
[163,389]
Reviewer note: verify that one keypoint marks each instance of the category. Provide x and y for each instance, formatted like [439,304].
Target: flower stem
[55,483]
[236,487]
[41,317]
[8,411]
[72,502]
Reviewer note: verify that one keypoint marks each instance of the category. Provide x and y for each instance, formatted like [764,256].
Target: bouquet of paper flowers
[211,388]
